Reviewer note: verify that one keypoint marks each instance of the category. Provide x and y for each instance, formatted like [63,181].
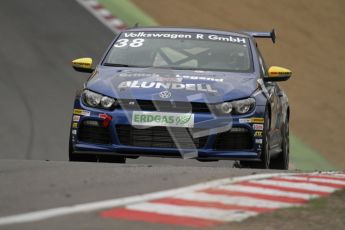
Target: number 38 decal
[126,42]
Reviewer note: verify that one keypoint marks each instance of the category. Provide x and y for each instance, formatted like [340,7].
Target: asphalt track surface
[38,40]
[37,185]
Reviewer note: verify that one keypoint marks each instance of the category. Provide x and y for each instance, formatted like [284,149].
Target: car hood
[167,84]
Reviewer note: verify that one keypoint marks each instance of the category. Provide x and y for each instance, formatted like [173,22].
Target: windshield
[195,51]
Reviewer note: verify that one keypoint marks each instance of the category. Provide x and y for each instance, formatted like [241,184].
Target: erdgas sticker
[163,119]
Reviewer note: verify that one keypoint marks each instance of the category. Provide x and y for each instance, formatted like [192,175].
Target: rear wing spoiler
[256,34]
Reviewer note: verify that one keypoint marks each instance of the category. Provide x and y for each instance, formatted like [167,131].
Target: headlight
[91,98]
[97,100]
[107,102]
[225,108]
[243,106]
[236,107]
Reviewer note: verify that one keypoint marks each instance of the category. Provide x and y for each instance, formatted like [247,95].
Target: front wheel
[264,162]
[282,161]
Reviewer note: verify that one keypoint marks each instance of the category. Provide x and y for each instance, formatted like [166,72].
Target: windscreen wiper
[116,65]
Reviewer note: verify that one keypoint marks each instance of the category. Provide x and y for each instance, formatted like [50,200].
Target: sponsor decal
[76,118]
[138,74]
[167,85]
[258,126]
[163,119]
[251,120]
[74,131]
[200,78]
[258,120]
[81,112]
[157,35]
[245,120]
[258,141]
[140,38]
[75,125]
[170,78]
[258,134]
[135,43]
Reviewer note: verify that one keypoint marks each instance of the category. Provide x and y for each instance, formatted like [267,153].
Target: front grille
[158,137]
[93,132]
[235,139]
[165,106]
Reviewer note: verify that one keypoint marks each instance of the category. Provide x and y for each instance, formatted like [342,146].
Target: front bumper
[211,129]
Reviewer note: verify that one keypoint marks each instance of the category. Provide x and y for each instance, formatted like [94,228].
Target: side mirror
[83,65]
[276,73]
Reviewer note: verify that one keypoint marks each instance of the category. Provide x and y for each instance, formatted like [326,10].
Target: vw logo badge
[165,94]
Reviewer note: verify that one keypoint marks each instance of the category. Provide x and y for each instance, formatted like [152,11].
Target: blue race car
[182,93]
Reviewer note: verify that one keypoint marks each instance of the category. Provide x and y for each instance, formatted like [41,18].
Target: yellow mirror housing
[277,73]
[83,65]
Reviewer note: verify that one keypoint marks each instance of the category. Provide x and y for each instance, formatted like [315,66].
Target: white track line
[196,212]
[234,200]
[94,206]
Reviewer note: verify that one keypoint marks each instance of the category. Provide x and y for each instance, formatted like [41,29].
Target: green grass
[304,157]
[128,12]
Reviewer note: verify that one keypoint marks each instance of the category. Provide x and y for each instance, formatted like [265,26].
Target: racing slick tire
[93,157]
[282,161]
[264,162]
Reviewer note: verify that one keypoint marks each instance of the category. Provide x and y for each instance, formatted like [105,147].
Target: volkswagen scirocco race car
[182,93]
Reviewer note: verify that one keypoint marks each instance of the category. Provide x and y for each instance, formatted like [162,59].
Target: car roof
[186,29]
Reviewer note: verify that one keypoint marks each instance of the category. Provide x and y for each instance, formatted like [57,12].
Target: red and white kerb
[105,16]
[231,201]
